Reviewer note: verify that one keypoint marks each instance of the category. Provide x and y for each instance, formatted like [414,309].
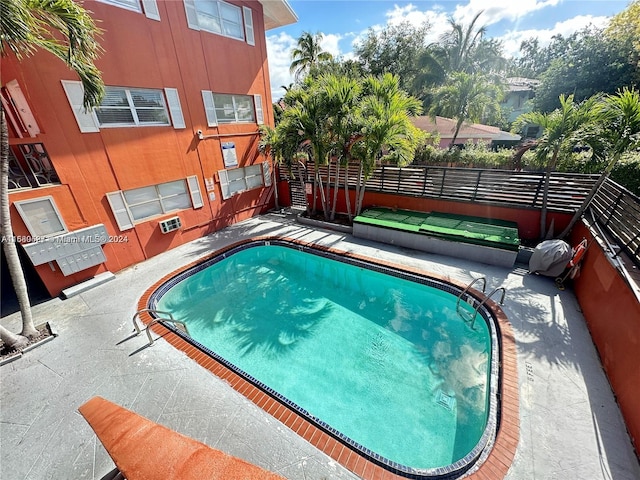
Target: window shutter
[266,173]
[151,9]
[194,189]
[257,100]
[209,108]
[120,211]
[224,183]
[248,26]
[18,110]
[75,94]
[192,14]
[173,100]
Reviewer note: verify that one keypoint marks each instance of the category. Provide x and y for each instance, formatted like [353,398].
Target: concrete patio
[570,424]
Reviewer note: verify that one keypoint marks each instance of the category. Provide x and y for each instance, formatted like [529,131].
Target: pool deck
[570,425]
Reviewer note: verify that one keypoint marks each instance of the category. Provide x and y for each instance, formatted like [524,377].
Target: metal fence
[617,210]
[497,187]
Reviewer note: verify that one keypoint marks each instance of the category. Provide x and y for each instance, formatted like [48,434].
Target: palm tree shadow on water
[259,311]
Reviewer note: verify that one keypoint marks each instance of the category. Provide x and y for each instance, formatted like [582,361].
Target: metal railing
[486,186]
[616,209]
[168,317]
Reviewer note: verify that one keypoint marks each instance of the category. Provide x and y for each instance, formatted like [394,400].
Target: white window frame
[133,5]
[134,110]
[20,204]
[237,180]
[249,32]
[88,122]
[151,9]
[121,209]
[195,24]
[212,116]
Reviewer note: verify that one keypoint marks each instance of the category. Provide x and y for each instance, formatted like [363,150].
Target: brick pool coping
[494,467]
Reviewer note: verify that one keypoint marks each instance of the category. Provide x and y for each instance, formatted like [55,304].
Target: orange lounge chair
[144,450]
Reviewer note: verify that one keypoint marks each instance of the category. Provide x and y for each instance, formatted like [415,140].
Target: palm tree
[466,97]
[621,133]
[307,54]
[387,132]
[342,95]
[467,50]
[563,129]
[460,44]
[66,30]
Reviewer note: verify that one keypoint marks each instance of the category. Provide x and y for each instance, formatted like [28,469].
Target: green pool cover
[459,228]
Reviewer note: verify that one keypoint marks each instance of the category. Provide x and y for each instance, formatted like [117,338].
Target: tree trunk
[314,197]
[336,186]
[360,191]
[358,187]
[323,198]
[275,186]
[11,340]
[455,134]
[347,196]
[545,195]
[8,239]
[302,178]
[327,194]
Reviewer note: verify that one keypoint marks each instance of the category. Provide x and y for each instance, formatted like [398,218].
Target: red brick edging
[500,457]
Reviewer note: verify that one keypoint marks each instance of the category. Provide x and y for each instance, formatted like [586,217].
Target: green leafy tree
[534,60]
[337,119]
[66,30]
[387,133]
[566,127]
[466,97]
[620,132]
[591,63]
[307,54]
[396,49]
[625,28]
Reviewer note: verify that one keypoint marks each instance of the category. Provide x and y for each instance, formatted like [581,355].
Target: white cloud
[279,46]
[330,42]
[512,39]
[436,18]
[496,10]
[279,54]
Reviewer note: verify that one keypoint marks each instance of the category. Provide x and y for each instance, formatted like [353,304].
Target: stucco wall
[612,313]
[144,53]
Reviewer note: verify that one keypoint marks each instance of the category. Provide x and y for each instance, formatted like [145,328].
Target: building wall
[143,53]
[612,313]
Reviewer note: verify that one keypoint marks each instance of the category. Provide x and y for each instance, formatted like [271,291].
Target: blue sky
[347,21]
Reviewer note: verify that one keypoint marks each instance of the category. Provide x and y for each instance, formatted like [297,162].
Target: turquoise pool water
[385,361]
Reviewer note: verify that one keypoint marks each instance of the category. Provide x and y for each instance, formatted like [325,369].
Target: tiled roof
[446,127]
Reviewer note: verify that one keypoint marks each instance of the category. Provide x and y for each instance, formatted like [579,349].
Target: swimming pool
[398,375]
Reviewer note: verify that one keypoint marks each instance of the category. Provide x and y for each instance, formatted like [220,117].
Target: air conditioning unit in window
[170,224]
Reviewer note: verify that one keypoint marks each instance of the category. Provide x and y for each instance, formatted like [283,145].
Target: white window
[41,216]
[248,25]
[150,6]
[125,107]
[138,204]
[216,17]
[132,107]
[226,108]
[239,180]
[128,4]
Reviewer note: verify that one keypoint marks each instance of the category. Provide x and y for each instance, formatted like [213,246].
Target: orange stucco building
[170,155]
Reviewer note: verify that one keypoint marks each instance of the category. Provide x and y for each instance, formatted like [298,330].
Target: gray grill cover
[550,258]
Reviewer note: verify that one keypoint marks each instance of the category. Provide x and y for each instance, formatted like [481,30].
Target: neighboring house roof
[445,127]
[522,84]
[277,13]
